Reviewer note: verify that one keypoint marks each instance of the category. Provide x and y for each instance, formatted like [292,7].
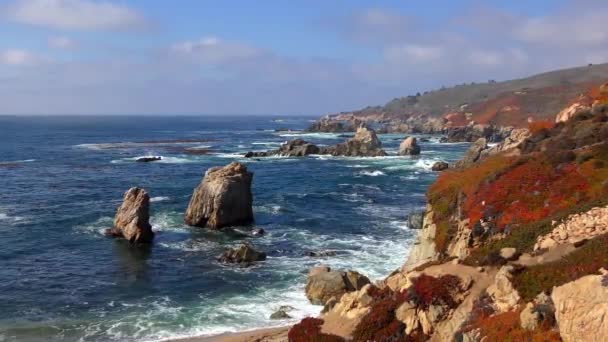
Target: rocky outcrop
[244,255]
[504,295]
[323,285]
[223,198]
[409,147]
[576,228]
[365,143]
[292,148]
[424,248]
[571,111]
[415,220]
[510,144]
[474,132]
[440,166]
[335,125]
[473,154]
[581,307]
[132,220]
[536,312]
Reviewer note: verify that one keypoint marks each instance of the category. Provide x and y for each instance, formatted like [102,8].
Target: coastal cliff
[471,111]
[512,246]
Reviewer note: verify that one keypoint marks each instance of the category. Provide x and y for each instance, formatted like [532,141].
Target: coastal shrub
[427,290]
[505,327]
[380,323]
[536,126]
[309,330]
[587,259]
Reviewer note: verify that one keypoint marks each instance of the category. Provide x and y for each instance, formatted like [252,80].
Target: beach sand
[260,335]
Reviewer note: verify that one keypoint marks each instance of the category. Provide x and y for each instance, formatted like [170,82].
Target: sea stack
[223,198]
[409,147]
[132,220]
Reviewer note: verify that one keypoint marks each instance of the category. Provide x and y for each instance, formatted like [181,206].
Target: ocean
[62,178]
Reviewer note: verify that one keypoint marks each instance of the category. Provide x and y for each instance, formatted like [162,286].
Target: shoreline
[277,334]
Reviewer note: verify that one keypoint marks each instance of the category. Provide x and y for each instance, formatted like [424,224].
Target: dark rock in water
[443,140]
[409,147]
[365,143]
[282,312]
[223,198]
[320,253]
[132,220]
[322,286]
[292,148]
[440,166]
[258,232]
[414,220]
[425,140]
[473,153]
[148,159]
[472,133]
[244,255]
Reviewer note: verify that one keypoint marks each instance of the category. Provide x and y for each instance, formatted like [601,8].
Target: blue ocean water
[61,179]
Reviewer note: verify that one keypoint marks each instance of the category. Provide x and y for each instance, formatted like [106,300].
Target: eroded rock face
[244,255]
[409,147]
[581,307]
[365,143]
[473,153]
[415,220]
[132,220]
[322,286]
[570,112]
[502,291]
[223,198]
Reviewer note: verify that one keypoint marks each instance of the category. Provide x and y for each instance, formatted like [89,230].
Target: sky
[296,57]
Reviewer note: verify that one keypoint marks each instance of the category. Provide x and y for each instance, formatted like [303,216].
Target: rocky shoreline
[484,267]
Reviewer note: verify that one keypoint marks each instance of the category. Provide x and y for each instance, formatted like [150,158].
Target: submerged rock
[281,313]
[147,159]
[440,166]
[409,147]
[244,254]
[321,285]
[223,198]
[318,254]
[132,220]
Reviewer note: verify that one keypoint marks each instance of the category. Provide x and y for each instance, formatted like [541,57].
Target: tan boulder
[223,198]
[581,308]
[570,112]
[132,220]
[409,147]
[502,292]
[322,286]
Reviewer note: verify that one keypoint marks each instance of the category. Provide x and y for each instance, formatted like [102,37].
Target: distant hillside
[508,103]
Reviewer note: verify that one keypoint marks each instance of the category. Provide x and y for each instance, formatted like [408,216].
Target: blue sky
[276,57]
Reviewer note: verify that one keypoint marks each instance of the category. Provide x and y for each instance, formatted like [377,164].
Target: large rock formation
[365,143]
[132,220]
[223,198]
[409,147]
[322,284]
[473,153]
[581,307]
[292,148]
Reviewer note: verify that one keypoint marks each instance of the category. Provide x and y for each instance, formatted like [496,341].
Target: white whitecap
[374,173]
[159,199]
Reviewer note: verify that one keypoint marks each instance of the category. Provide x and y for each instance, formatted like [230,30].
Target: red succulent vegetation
[309,330]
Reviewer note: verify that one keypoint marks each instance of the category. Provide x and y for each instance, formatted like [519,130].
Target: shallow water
[61,180]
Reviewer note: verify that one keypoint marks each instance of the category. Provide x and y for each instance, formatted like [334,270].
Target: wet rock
[244,255]
[292,148]
[409,147]
[281,313]
[440,166]
[258,232]
[223,198]
[132,220]
[148,159]
[317,254]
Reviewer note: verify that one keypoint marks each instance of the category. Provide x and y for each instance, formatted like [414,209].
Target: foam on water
[312,135]
[159,199]
[164,160]
[374,173]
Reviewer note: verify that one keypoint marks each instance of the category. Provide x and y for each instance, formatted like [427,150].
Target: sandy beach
[259,335]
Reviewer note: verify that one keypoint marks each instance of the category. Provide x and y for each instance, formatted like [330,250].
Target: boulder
[581,307]
[148,159]
[509,253]
[322,286]
[132,220]
[318,269]
[440,166]
[319,254]
[414,220]
[281,313]
[365,143]
[503,293]
[244,254]
[292,148]
[473,153]
[223,198]
[409,147]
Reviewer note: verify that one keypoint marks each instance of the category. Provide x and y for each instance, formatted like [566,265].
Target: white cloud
[17,57]
[61,43]
[85,15]
[212,50]
[414,53]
